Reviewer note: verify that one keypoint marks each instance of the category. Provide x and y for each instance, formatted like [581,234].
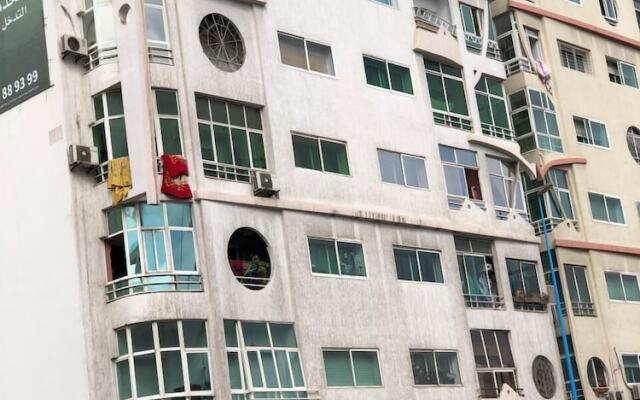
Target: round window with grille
[543,377]
[222,42]
[633,141]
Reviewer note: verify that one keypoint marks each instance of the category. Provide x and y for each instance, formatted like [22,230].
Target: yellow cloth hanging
[119,181]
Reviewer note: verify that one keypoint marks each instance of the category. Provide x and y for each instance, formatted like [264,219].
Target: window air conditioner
[83,156]
[263,184]
[635,392]
[76,46]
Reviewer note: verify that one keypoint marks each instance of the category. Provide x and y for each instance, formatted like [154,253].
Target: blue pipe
[556,292]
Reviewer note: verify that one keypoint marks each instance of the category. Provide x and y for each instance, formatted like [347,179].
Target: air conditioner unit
[73,45]
[83,156]
[635,392]
[263,184]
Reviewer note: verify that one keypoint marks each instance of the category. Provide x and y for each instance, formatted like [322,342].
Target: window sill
[403,94]
[347,277]
[309,71]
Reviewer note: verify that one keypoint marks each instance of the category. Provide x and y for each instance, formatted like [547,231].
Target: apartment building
[291,199]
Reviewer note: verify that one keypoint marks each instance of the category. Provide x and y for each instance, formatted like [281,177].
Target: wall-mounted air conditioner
[74,46]
[83,156]
[264,184]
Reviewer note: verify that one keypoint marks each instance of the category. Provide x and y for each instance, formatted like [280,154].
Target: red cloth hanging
[174,168]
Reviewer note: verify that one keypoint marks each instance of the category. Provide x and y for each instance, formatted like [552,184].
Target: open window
[598,378]
[249,259]
[461,174]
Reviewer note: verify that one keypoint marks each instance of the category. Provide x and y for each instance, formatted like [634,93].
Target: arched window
[597,374]
[633,141]
[249,258]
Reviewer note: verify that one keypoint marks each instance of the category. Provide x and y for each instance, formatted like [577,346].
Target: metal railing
[99,56]
[453,121]
[474,42]
[432,18]
[515,65]
[102,172]
[226,172]
[583,309]
[493,50]
[289,394]
[252,282]
[550,223]
[484,301]
[497,131]
[167,282]
[527,306]
[160,55]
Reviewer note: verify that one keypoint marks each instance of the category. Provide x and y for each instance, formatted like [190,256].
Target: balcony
[516,65]
[550,223]
[452,120]
[167,282]
[435,35]
[583,309]
[226,172]
[530,302]
[493,50]
[484,301]
[277,394]
[497,131]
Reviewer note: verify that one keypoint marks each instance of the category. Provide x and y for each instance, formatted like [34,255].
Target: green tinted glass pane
[168,333]
[146,375]
[495,87]
[430,267]
[306,152]
[536,98]
[236,115]
[199,376]
[283,335]
[599,134]
[166,102]
[499,109]
[467,19]
[337,368]
[223,144]
[240,148]
[530,278]
[521,123]
[629,75]
[255,334]
[484,109]
[219,111]
[118,138]
[254,368]
[436,93]
[323,256]
[376,72]
[141,337]
[179,214]
[598,208]
[100,141]
[230,335]
[254,120]
[614,207]
[614,286]
[518,99]
[172,371]
[540,121]
[351,259]
[448,370]
[406,265]
[583,288]
[481,86]
[400,79]
[552,124]
[195,334]
[334,157]
[124,380]
[257,150]
[170,131]
[457,101]
[122,342]
[98,107]
[296,368]
[202,108]
[451,70]
[206,142]
[152,216]
[235,376]
[432,65]
[631,290]
[284,372]
[365,366]
[183,251]
[269,367]
[114,220]
[114,103]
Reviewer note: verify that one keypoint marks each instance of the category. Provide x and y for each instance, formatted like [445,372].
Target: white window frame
[608,221]
[404,176]
[574,282]
[106,119]
[574,52]
[352,350]
[335,246]
[624,291]
[610,11]
[165,45]
[533,35]
[391,4]
[494,370]
[417,250]
[637,355]
[321,139]
[589,132]
[159,141]
[463,167]
[386,67]
[433,353]
[441,75]
[619,64]
[306,54]
[530,107]
[517,184]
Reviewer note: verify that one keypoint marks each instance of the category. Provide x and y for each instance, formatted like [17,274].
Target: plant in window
[222,42]
[249,259]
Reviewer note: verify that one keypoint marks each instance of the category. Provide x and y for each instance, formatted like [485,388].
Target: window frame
[619,64]
[529,107]
[386,67]
[503,98]
[392,3]
[624,291]
[335,245]
[352,350]
[464,167]
[442,75]
[516,180]
[166,45]
[575,52]
[589,132]
[576,286]
[319,140]
[611,19]
[606,196]
[417,251]
[433,353]
[306,54]
[621,360]
[158,117]
[501,368]
[402,166]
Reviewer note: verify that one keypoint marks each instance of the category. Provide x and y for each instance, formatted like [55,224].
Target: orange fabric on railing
[119,180]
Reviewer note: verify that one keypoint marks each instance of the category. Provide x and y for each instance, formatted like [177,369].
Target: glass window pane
[235,375]
[170,132]
[100,141]
[447,154]
[179,214]
[436,92]
[478,349]
[230,335]
[629,75]
[199,377]
[390,167]
[424,369]
[631,368]
[406,265]
[530,278]
[255,334]
[236,114]
[492,349]
[284,372]
[172,371]
[306,152]
[323,256]
[351,259]
[614,286]
[219,111]
[505,348]
[152,216]
[183,251]
[337,367]
[269,366]
[114,103]
[254,120]
[168,333]
[320,58]
[166,102]
[466,157]
[499,191]
[599,132]
[365,366]
[484,109]
[631,289]
[146,375]
[499,109]
[581,279]
[415,172]
[195,334]
[292,51]
[283,335]
[614,207]
[258,157]
[376,72]
[141,337]
[430,267]
[134,253]
[154,24]
[240,148]
[298,377]
[206,142]
[202,108]
[457,101]
[123,347]
[223,144]
[254,368]
[400,79]
[334,157]
[124,380]
[448,369]
[118,138]
[456,181]
[598,208]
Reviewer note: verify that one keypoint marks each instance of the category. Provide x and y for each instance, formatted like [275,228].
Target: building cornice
[609,248]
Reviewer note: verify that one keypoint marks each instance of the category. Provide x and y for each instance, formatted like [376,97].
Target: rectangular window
[477,273]
[301,53]
[312,152]
[492,108]
[231,139]
[461,172]
[418,265]
[534,121]
[168,138]
[99,30]
[351,367]
[525,289]
[556,202]
[608,10]
[622,73]
[574,57]
[631,364]
[264,360]
[156,32]
[565,371]
[506,185]
[606,209]
[385,2]
[402,169]
[333,257]
[494,361]
[472,25]
[447,93]
[636,7]
[579,291]
[386,75]
[622,287]
[435,367]
[533,38]
[109,129]
[591,132]
[150,248]
[178,349]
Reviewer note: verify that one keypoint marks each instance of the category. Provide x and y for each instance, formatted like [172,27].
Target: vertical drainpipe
[556,293]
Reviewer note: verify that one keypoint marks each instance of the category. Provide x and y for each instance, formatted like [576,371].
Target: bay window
[534,121]
[493,108]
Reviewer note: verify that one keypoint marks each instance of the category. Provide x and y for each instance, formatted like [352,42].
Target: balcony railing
[515,65]
[483,301]
[432,18]
[493,50]
[226,172]
[583,309]
[273,394]
[99,56]
[451,120]
[167,282]
[497,131]
[550,223]
[474,42]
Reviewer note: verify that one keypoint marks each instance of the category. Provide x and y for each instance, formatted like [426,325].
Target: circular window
[633,141]
[222,42]
[597,374]
[249,258]
[543,377]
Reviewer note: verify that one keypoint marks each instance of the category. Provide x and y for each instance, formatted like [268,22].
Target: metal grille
[222,42]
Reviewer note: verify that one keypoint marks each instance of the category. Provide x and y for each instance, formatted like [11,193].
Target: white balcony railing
[583,309]
[99,56]
[474,42]
[515,65]
[493,50]
[484,301]
[273,394]
[162,282]
[452,120]
[431,17]
[550,223]
[226,172]
[497,131]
